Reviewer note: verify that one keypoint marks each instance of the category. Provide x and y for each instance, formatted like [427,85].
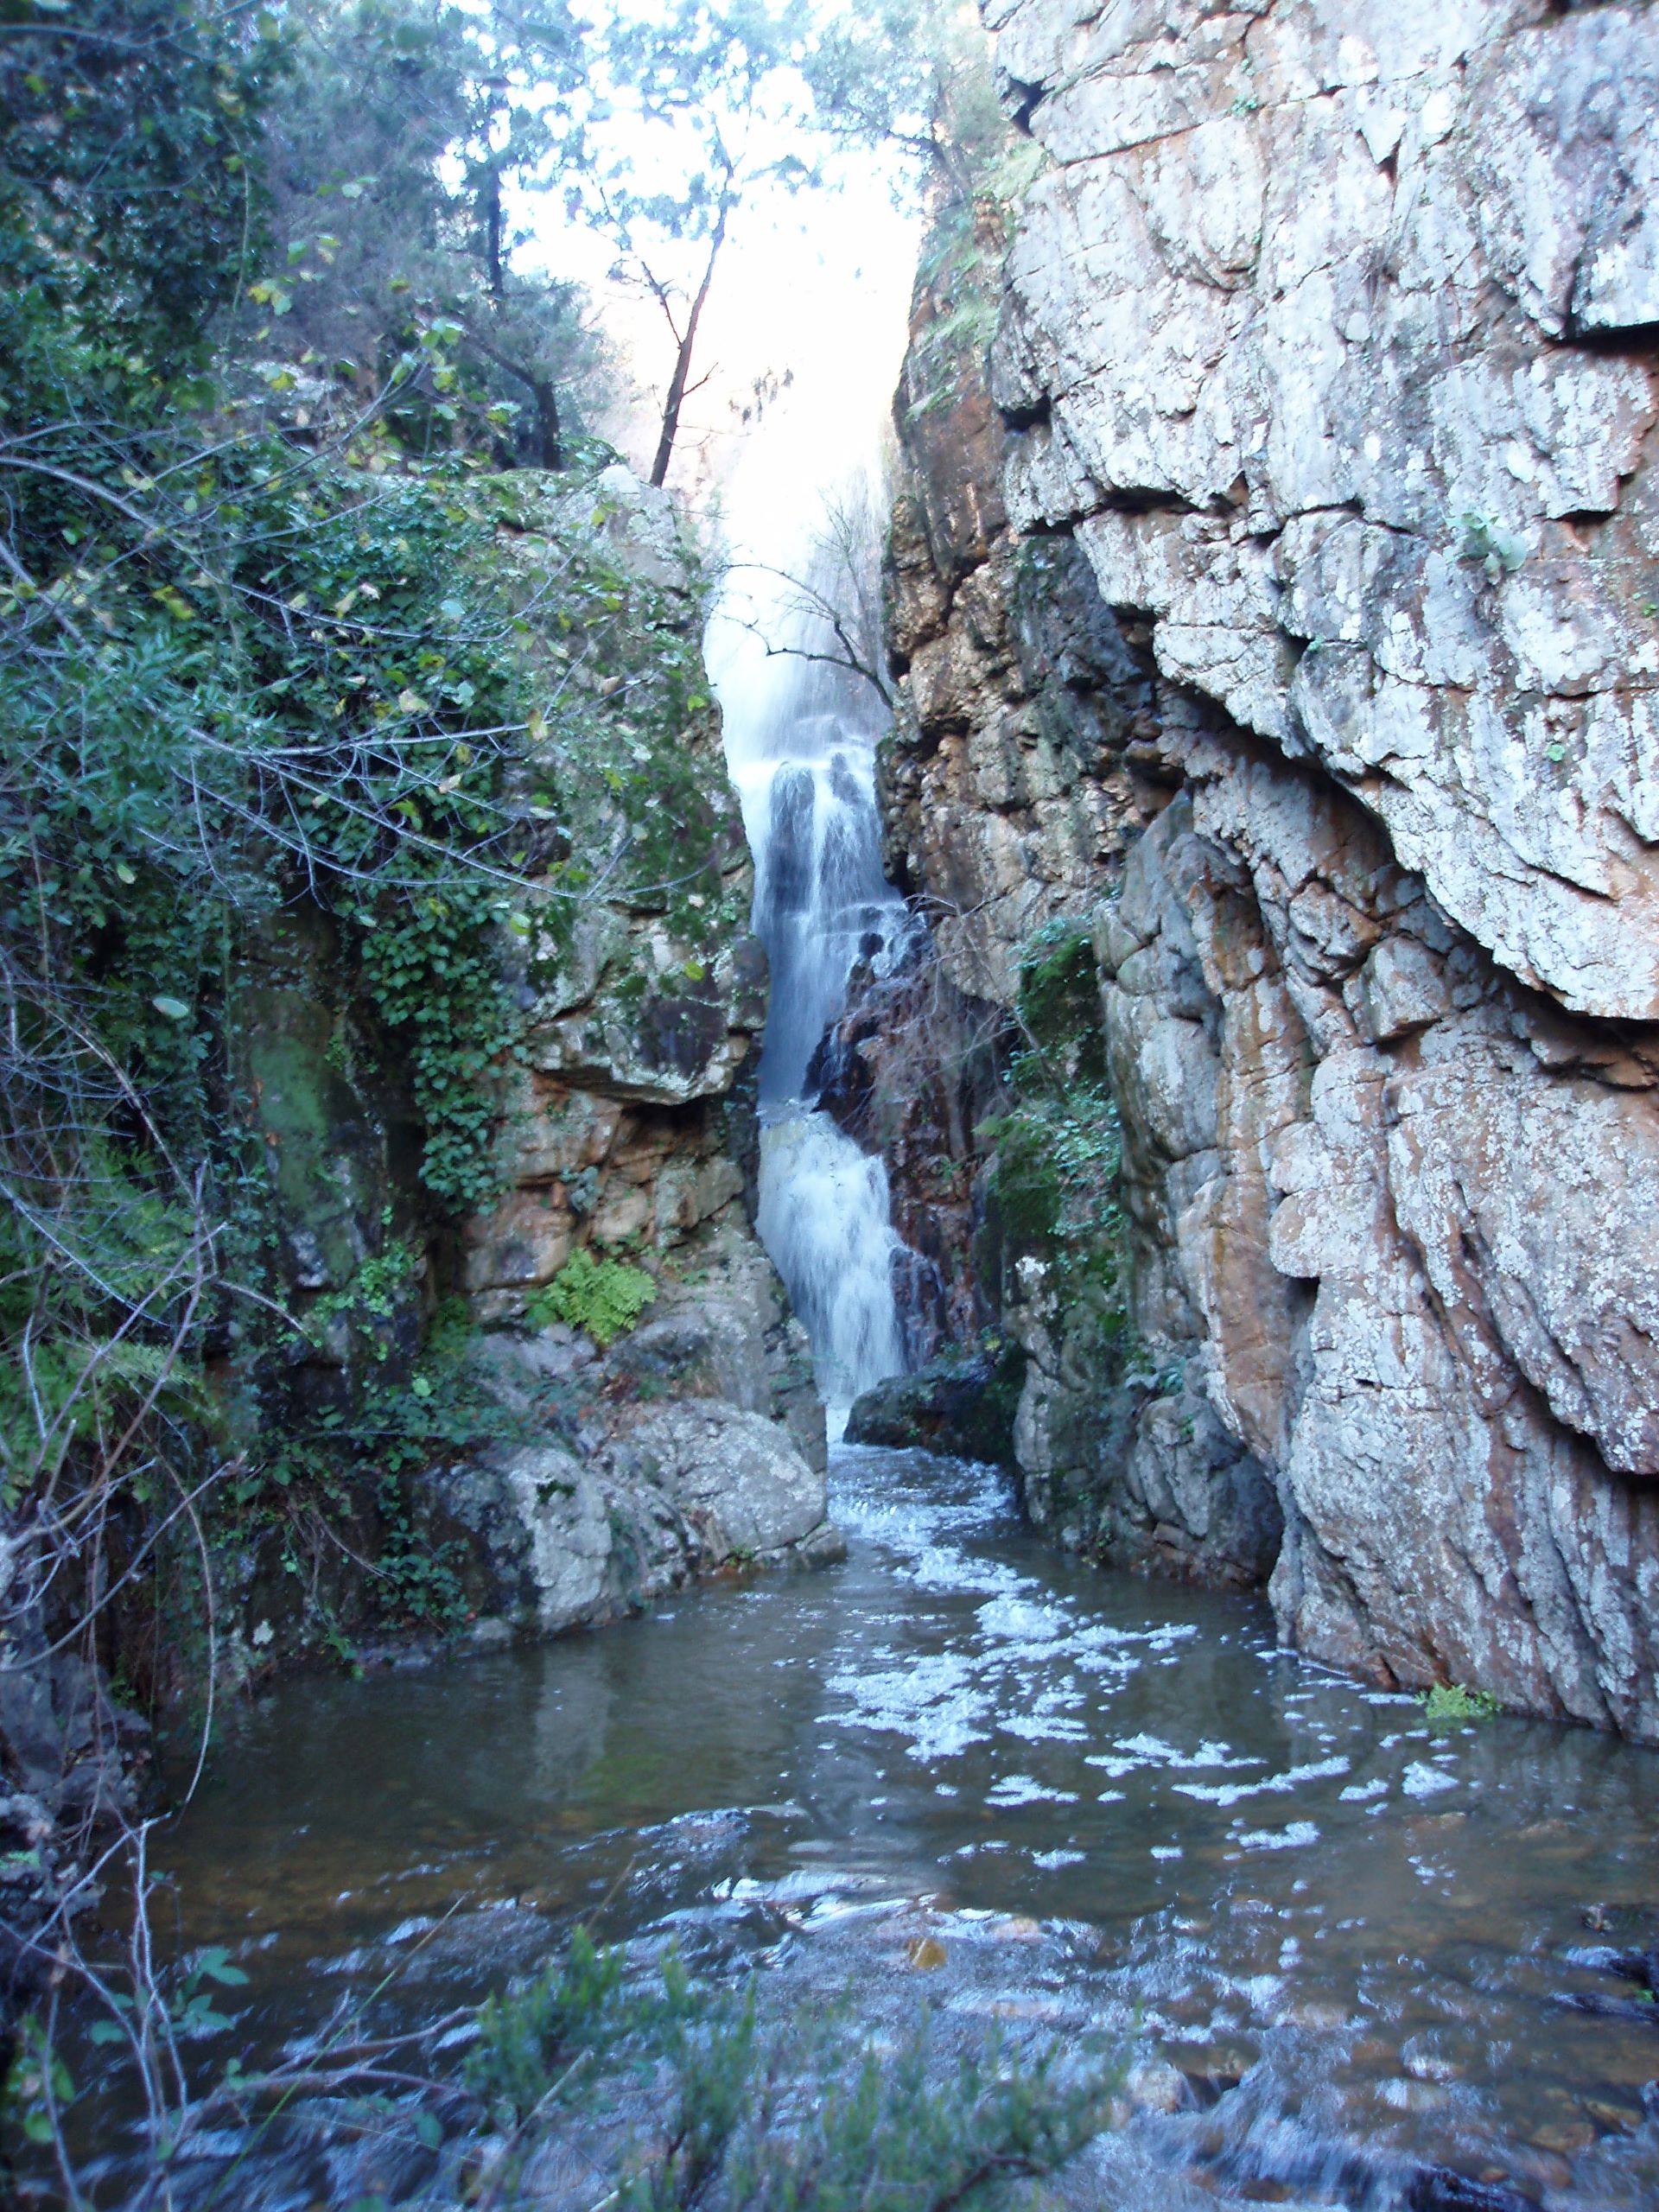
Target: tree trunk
[492,231]
[549,437]
[550,431]
[677,382]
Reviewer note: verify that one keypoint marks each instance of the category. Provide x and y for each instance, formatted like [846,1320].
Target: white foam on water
[1294,1837]
[1046,1727]
[1230,1793]
[934,1700]
[941,1567]
[1026,1790]
[1421,1781]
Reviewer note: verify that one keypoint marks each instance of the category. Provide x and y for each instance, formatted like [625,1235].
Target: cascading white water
[801,515]
[824,1218]
[801,741]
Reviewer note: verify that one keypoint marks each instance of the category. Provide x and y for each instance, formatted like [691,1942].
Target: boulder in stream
[554,1539]
[962,1406]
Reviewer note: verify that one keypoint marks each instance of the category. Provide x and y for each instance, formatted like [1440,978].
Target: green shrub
[1058,1151]
[605,1297]
[1059,1002]
[1449,1704]
[764,2115]
[528,2036]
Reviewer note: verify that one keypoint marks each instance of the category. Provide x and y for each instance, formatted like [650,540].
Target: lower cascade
[824,1218]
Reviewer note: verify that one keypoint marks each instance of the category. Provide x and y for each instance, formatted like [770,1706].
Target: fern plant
[605,1297]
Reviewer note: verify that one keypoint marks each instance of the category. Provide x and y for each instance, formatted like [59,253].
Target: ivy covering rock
[373,951]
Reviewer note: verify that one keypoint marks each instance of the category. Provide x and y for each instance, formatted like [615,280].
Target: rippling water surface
[1364,1945]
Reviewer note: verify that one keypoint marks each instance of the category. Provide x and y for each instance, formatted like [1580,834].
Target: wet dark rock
[910,1070]
[72,1763]
[1640,1966]
[682,1034]
[1610,2008]
[1207,2086]
[964,1407]
[1440,2189]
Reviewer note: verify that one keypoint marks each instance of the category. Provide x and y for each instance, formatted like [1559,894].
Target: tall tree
[393,164]
[716,106]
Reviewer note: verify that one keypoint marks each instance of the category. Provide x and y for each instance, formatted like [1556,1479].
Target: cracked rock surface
[1335,325]
[1329,351]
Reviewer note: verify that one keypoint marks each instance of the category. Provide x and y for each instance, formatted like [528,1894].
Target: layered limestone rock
[1329,350]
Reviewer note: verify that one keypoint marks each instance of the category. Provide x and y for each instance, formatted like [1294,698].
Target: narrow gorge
[831,1147]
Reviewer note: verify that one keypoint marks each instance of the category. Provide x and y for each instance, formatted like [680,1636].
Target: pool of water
[1365,1946]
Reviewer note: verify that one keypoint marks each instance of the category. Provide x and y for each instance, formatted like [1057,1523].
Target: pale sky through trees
[813,286]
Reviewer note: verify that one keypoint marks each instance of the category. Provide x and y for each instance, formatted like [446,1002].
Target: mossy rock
[962,1407]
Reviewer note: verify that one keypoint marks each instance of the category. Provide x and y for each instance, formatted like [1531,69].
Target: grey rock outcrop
[1339,332]
[567,1538]
[1328,346]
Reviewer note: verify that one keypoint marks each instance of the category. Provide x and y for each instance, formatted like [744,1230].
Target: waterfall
[802,513]
[800,738]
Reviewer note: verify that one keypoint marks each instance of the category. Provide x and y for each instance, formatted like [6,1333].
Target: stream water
[1363,1944]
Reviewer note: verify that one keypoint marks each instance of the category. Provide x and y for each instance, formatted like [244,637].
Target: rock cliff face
[574,1478]
[1326,384]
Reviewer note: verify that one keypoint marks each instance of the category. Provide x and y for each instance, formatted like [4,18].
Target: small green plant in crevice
[744,2110]
[605,1297]
[983,169]
[1057,1152]
[37,2085]
[193,2007]
[529,2035]
[368,1302]
[1500,551]
[1448,1705]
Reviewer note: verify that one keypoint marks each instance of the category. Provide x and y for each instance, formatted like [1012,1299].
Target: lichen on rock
[1325,382]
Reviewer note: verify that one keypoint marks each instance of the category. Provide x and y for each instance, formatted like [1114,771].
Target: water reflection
[1373,1930]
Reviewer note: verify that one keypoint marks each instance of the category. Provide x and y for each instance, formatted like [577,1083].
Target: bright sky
[809,304]
[812,287]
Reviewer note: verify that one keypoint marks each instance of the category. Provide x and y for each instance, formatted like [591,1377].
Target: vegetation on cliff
[331,717]
[1056,1152]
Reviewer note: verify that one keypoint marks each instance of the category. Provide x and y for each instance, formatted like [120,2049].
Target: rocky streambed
[1357,1960]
